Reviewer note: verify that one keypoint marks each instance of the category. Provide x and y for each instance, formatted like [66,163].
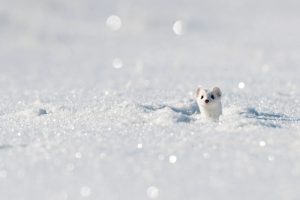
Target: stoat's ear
[198,90]
[217,91]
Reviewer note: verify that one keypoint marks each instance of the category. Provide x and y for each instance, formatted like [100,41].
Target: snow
[97,99]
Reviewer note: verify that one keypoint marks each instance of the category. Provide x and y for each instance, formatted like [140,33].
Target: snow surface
[91,109]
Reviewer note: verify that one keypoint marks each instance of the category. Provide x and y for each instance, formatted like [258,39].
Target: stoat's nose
[206,101]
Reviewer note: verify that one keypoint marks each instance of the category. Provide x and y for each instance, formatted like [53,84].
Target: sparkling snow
[97,99]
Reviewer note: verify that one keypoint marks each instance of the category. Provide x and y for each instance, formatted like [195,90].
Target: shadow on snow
[185,113]
[272,120]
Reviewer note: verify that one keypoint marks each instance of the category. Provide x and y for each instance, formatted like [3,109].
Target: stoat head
[208,98]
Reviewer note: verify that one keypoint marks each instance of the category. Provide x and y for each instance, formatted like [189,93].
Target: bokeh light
[114,22]
[152,192]
[178,27]
[241,85]
[85,191]
[117,63]
[172,159]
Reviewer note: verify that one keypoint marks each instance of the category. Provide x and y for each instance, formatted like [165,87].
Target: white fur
[209,102]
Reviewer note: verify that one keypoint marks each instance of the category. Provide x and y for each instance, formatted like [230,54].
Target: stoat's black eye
[212,96]
[202,97]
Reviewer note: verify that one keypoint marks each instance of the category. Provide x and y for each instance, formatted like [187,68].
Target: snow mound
[233,116]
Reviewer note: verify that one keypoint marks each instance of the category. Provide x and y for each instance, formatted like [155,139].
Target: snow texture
[97,99]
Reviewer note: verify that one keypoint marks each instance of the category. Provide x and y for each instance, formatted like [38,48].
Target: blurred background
[112,44]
